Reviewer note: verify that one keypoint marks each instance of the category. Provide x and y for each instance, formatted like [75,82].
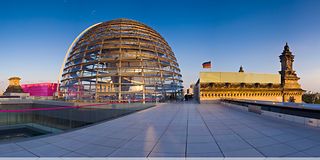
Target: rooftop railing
[308,114]
[58,118]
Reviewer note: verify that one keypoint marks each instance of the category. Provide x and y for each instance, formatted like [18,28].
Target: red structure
[40,89]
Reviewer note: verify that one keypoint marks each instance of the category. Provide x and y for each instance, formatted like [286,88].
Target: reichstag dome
[120,60]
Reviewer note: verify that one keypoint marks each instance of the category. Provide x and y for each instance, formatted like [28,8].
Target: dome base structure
[120,60]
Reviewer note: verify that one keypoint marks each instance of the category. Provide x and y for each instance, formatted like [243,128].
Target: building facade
[40,89]
[282,87]
[14,88]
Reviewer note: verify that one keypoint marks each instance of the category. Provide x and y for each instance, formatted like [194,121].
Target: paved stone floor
[179,130]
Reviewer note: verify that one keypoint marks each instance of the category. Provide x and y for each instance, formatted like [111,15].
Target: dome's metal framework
[121,60]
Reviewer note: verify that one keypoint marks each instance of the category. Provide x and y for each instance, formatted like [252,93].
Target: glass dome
[122,60]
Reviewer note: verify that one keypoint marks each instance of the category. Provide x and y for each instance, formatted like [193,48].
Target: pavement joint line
[289,123]
[284,143]
[25,149]
[186,150]
[210,131]
[73,152]
[310,148]
[116,149]
[173,117]
[245,139]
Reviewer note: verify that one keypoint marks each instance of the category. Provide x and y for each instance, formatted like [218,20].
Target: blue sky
[34,35]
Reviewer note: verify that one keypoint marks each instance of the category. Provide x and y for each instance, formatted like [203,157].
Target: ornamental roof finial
[241,69]
[286,47]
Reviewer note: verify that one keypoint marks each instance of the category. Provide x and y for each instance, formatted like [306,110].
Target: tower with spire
[292,91]
[241,69]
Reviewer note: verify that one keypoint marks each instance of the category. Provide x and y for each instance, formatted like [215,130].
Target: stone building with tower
[282,87]
[291,89]
[14,88]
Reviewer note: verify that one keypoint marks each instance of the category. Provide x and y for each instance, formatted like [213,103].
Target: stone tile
[73,154]
[220,131]
[302,144]
[260,142]
[175,148]
[251,135]
[122,135]
[167,155]
[143,146]
[176,128]
[216,128]
[31,144]
[228,146]
[175,133]
[84,138]
[314,151]
[95,150]
[173,139]
[229,137]
[70,144]
[202,148]
[197,130]
[212,154]
[277,150]
[8,148]
[195,133]
[272,132]
[123,152]
[22,153]
[48,151]
[243,153]
[110,142]
[149,137]
[298,154]
[315,138]
[200,139]
[285,137]
[52,139]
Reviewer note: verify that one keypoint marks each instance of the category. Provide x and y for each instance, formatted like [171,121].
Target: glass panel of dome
[121,49]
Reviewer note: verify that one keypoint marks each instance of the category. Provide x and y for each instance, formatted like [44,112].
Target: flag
[206,64]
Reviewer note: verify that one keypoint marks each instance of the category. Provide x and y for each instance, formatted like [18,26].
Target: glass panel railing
[27,120]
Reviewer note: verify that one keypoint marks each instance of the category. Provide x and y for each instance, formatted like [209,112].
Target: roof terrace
[179,130]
